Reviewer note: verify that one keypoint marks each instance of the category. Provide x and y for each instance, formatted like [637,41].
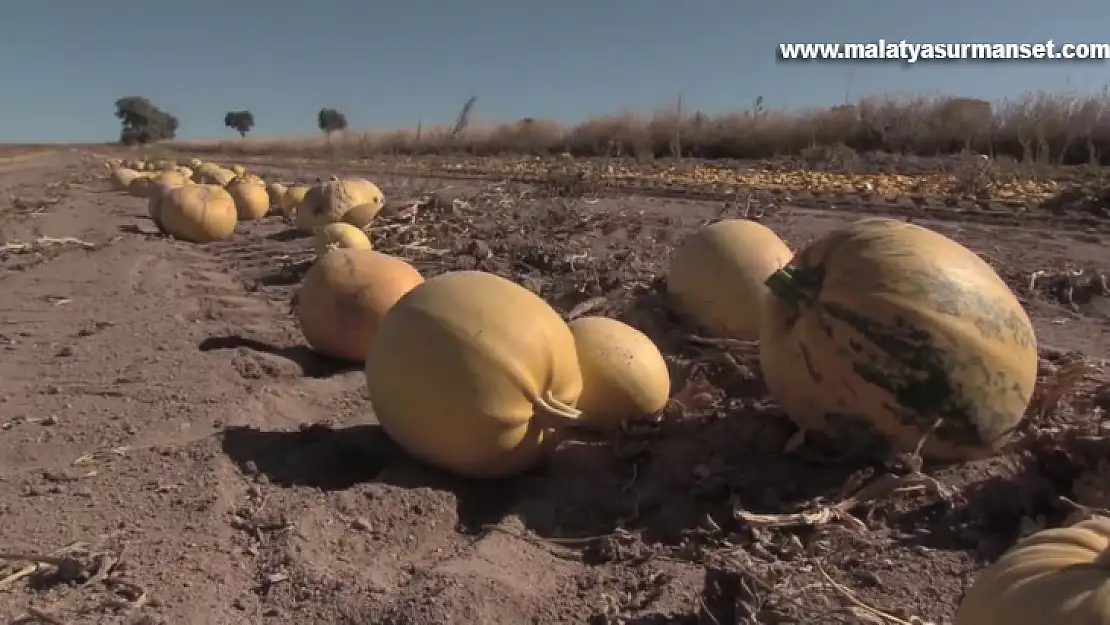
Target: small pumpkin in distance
[1058,576]
[121,177]
[200,213]
[896,328]
[339,235]
[624,375]
[344,296]
[716,276]
[502,364]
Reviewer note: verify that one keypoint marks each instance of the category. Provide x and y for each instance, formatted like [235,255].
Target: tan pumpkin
[200,213]
[121,177]
[275,190]
[885,327]
[1056,576]
[344,297]
[210,173]
[160,186]
[624,375]
[471,373]
[716,276]
[327,202]
[363,215]
[140,184]
[291,199]
[251,198]
[340,235]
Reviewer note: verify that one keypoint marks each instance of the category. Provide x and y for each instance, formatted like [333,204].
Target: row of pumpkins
[882,323]
[203,202]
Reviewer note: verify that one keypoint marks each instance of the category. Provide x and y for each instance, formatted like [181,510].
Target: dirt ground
[165,434]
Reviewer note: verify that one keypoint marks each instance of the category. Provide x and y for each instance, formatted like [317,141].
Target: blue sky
[391,63]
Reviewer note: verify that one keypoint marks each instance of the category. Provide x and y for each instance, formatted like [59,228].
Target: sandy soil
[163,431]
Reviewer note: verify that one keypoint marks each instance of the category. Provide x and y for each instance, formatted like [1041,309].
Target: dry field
[172,454]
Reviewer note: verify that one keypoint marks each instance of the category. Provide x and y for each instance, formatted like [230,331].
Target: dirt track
[156,404]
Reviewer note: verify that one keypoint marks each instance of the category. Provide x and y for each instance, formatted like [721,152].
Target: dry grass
[1037,127]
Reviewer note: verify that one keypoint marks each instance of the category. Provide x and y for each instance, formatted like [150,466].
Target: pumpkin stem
[795,285]
[554,414]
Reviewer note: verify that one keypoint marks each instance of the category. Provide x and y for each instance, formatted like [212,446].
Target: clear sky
[392,62]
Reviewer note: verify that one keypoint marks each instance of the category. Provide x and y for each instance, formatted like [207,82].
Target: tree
[240,121]
[331,120]
[142,122]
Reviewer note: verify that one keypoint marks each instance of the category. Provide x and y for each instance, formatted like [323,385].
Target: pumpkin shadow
[311,364]
[336,459]
[286,275]
[290,234]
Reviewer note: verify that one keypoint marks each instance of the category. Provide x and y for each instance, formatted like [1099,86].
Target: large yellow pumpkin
[471,371]
[716,277]
[344,297]
[157,192]
[328,201]
[252,201]
[200,213]
[885,327]
[1057,576]
[624,375]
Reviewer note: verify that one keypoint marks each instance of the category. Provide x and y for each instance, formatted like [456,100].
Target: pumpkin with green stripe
[885,327]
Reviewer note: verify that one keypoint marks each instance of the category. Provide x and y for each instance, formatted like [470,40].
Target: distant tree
[331,120]
[240,121]
[142,122]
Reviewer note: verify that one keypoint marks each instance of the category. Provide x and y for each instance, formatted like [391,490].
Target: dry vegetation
[1042,127]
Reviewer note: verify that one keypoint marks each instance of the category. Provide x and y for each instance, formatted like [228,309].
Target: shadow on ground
[311,363]
[291,234]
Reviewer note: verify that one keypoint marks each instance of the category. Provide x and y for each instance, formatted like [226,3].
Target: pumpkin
[891,326]
[624,375]
[121,177]
[200,213]
[209,173]
[185,171]
[165,165]
[363,215]
[344,296]
[716,276]
[251,198]
[275,190]
[160,185]
[327,202]
[139,185]
[238,170]
[340,235]
[195,163]
[471,372]
[292,198]
[1057,576]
